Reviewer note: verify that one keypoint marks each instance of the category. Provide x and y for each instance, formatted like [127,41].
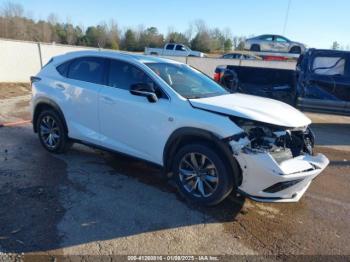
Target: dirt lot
[89,202]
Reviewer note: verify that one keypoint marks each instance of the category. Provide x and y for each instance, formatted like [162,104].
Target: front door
[281,44]
[131,124]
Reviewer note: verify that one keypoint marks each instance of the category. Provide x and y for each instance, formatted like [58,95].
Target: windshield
[187,81]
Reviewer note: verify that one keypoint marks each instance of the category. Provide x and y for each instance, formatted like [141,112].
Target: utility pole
[287,17]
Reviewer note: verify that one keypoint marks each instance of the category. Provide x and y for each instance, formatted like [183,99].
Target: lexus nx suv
[207,140]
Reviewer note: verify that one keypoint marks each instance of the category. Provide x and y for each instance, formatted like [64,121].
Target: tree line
[15,25]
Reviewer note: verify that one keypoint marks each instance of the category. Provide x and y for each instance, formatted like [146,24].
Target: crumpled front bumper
[266,180]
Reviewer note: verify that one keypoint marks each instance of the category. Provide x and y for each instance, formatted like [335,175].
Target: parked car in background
[173,49]
[321,81]
[208,140]
[241,56]
[273,43]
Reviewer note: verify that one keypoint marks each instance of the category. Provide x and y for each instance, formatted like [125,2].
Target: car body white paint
[115,119]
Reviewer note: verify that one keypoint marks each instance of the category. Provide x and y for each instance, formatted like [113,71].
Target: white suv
[208,140]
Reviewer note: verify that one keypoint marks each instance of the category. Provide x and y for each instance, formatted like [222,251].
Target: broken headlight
[281,142]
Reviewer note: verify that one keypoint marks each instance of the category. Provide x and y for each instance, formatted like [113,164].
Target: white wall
[49,50]
[19,60]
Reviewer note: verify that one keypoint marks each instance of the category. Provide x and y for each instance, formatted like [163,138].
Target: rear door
[326,85]
[266,43]
[79,93]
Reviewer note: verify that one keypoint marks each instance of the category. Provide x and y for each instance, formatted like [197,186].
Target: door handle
[108,99]
[60,87]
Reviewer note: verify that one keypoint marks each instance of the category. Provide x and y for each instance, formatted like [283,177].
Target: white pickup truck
[173,49]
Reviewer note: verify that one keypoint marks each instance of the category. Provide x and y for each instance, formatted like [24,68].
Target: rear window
[88,69]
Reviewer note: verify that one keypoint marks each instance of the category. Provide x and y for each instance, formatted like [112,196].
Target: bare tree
[52,19]
[200,26]
[189,31]
[10,9]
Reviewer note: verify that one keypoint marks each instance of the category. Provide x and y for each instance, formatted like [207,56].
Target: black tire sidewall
[225,185]
[295,50]
[255,48]
[63,142]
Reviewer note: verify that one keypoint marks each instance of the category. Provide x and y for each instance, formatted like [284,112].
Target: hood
[254,108]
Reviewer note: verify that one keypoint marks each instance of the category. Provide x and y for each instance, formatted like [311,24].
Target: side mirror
[143,89]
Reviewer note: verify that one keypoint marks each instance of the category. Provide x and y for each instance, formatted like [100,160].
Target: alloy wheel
[50,132]
[198,175]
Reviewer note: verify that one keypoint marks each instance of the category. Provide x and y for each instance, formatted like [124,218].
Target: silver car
[273,43]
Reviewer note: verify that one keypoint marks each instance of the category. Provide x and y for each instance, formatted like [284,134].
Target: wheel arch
[44,104]
[185,135]
[295,47]
[253,45]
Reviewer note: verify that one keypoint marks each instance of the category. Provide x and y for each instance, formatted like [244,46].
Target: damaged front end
[278,163]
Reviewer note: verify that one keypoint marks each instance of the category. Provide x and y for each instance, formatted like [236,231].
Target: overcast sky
[316,23]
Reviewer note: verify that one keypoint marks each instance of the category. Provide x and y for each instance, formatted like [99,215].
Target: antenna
[287,16]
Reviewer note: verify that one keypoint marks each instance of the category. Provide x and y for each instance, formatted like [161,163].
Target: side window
[180,48]
[267,38]
[63,68]
[122,75]
[170,47]
[328,65]
[88,69]
[280,39]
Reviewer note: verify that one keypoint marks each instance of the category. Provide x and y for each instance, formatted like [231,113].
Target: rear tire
[201,175]
[255,48]
[52,133]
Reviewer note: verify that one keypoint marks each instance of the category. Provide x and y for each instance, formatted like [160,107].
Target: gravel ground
[89,202]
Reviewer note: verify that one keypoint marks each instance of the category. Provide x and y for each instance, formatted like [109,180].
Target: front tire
[52,133]
[201,175]
[295,50]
